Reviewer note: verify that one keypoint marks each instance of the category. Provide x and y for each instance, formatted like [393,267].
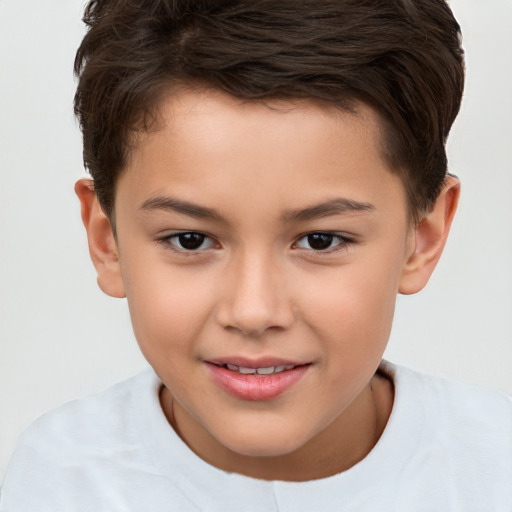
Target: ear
[428,239]
[102,244]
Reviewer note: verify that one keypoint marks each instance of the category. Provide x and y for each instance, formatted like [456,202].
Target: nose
[255,297]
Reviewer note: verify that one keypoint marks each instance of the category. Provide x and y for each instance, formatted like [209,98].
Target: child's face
[294,237]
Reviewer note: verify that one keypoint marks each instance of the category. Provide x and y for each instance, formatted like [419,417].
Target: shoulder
[464,432]
[91,419]
[454,402]
[79,442]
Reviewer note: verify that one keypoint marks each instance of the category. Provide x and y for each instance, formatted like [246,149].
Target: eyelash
[343,242]
[168,241]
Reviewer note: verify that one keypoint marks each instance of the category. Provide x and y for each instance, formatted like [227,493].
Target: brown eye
[323,242]
[320,241]
[189,241]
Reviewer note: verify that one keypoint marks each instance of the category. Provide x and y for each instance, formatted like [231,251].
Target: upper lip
[260,362]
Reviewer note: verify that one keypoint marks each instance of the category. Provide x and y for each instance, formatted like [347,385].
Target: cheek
[351,317]
[354,306]
[168,307]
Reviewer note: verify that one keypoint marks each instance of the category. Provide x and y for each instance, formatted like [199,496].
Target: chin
[262,444]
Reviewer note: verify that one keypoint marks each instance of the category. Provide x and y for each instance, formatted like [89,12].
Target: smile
[259,371]
[256,382]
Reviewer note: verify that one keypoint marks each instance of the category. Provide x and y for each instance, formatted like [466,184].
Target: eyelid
[167,240]
[344,241]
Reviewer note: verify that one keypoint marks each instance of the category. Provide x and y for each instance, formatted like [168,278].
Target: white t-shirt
[446,448]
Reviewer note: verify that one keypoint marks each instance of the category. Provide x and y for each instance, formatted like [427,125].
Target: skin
[257,287]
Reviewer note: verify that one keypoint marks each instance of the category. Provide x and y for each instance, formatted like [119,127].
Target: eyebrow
[178,206]
[329,208]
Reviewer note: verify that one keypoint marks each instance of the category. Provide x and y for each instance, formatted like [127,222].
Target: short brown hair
[403,57]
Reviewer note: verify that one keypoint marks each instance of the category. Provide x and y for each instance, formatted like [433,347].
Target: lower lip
[256,387]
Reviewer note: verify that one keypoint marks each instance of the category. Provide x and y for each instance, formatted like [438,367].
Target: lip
[251,387]
[259,362]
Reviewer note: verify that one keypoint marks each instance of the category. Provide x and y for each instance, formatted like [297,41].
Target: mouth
[269,370]
[256,380]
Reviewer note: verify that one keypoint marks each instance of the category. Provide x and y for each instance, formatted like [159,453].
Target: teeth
[265,371]
[259,371]
[246,371]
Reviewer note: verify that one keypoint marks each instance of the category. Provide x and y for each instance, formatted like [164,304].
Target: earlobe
[102,244]
[428,239]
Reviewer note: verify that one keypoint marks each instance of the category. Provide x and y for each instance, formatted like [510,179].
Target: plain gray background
[62,338]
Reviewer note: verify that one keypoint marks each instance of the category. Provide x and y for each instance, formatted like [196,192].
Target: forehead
[185,109]
[294,149]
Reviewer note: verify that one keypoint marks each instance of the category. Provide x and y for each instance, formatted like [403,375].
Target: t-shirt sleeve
[43,474]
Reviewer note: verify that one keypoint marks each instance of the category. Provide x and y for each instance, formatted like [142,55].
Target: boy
[267,176]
